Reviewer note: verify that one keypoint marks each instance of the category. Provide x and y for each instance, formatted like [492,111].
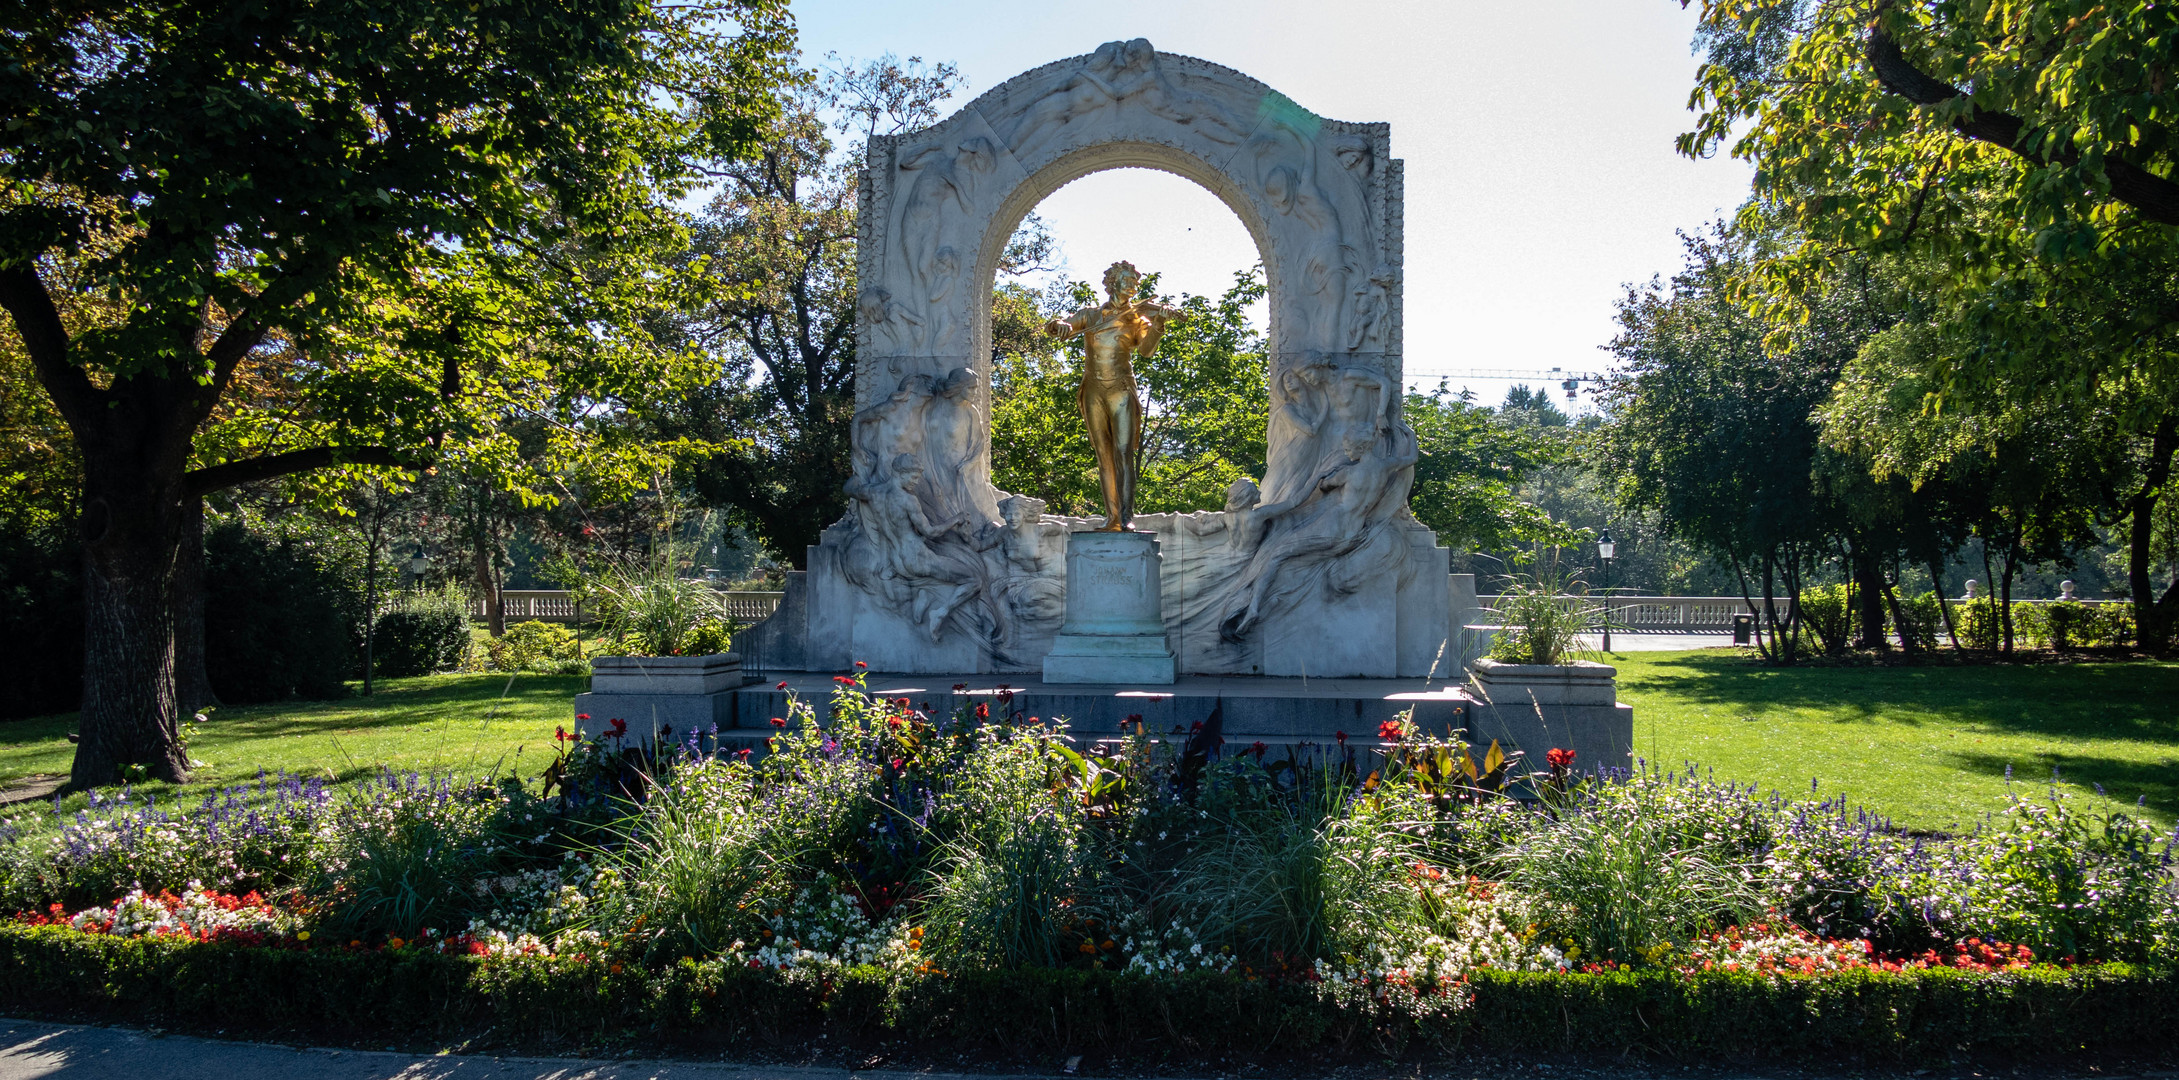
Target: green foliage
[405,855]
[700,864]
[650,610]
[425,630]
[1473,463]
[1964,125]
[277,617]
[1624,877]
[1940,1017]
[1542,613]
[532,644]
[1275,876]
[1204,401]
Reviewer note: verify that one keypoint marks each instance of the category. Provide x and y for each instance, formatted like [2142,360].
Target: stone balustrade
[556,605]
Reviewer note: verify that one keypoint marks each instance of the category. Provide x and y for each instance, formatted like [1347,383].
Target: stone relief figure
[1118,73]
[892,427]
[912,574]
[1365,323]
[1121,328]
[943,177]
[885,316]
[953,434]
[1348,508]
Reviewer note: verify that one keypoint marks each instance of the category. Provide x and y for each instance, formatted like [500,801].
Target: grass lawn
[470,724]
[1927,745]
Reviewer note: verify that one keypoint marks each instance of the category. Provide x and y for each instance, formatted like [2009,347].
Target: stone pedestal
[1115,626]
[652,693]
[1538,706]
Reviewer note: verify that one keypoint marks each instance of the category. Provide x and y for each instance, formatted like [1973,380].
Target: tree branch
[2156,197]
[212,478]
[39,323]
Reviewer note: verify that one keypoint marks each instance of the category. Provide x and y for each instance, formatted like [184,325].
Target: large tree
[393,194]
[2019,158]
[777,248]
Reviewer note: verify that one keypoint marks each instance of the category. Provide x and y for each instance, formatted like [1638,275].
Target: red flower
[959,686]
[897,762]
[1257,748]
[892,721]
[860,666]
[983,710]
[1558,759]
[903,703]
[843,680]
[782,685]
[1389,731]
[559,734]
[1341,736]
[620,728]
[582,716]
[744,753]
[777,722]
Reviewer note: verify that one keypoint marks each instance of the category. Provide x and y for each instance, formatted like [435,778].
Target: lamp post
[1606,547]
[419,564]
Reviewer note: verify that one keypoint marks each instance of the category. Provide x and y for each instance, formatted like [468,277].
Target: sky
[1541,178]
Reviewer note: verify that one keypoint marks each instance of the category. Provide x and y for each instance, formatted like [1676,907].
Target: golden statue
[1112,333]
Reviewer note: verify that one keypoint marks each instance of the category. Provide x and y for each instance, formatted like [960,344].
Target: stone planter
[1580,683]
[1538,707]
[652,693]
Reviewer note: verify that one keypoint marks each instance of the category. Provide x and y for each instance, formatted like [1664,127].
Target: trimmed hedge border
[2110,1011]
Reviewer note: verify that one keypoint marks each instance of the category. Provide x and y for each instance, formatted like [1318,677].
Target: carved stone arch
[934,570]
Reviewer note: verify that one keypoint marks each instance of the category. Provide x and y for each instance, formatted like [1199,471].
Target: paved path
[1625,642]
[34,1051]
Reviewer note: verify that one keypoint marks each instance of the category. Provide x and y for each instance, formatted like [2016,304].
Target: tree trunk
[1944,606]
[370,593]
[2152,631]
[132,538]
[192,685]
[495,610]
[2005,597]
[1869,601]
[1899,617]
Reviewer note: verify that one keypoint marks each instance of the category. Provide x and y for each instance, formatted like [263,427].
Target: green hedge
[2114,1011]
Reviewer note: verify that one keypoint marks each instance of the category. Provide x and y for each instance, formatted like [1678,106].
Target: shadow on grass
[2136,700]
[2154,784]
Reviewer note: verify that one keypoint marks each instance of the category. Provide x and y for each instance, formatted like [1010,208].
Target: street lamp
[1606,547]
[419,563]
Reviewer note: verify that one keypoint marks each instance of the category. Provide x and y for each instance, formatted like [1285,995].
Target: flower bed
[885,873]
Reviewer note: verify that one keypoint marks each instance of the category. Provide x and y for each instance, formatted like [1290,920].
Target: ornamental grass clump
[650,610]
[1543,616]
[1627,872]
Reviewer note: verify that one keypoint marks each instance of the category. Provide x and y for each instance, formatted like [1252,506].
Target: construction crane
[1569,381]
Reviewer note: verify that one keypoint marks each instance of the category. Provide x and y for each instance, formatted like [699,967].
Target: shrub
[41,617]
[1827,612]
[277,613]
[1920,619]
[423,632]
[533,644]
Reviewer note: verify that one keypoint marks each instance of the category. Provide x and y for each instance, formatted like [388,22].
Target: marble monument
[1317,571]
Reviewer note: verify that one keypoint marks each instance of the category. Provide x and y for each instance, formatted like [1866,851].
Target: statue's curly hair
[1115,268]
